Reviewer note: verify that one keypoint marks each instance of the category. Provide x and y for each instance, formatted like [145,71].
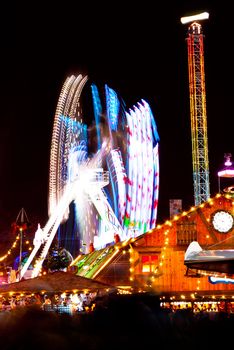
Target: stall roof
[58,281]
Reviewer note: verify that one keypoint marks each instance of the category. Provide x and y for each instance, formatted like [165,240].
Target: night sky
[140,51]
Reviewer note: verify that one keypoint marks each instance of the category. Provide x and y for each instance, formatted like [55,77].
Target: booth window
[149,263]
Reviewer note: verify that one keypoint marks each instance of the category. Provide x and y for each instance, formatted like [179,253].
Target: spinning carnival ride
[104,178]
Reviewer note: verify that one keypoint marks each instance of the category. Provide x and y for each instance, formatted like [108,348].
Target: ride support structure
[95,180]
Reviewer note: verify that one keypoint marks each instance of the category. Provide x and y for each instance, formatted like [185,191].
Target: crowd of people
[117,322]
[61,303]
[212,308]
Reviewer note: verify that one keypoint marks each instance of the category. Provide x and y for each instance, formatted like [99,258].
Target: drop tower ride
[198,115]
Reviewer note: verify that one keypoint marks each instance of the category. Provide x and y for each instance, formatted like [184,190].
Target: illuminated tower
[198,107]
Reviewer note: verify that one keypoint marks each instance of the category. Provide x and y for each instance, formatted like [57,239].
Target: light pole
[20,254]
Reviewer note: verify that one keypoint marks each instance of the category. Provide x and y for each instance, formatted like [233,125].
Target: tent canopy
[58,281]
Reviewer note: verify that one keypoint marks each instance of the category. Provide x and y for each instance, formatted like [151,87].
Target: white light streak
[198,17]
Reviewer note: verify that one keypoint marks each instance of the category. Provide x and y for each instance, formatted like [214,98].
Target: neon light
[120,175]
[112,107]
[140,172]
[226,173]
[145,175]
[215,280]
[134,155]
[129,171]
[155,186]
[198,17]
[97,112]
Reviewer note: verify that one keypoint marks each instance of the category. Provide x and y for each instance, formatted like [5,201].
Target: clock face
[222,221]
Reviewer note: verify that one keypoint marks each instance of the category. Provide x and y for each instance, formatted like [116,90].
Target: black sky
[140,51]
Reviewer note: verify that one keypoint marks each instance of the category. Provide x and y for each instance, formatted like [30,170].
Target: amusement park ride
[196,69]
[115,190]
